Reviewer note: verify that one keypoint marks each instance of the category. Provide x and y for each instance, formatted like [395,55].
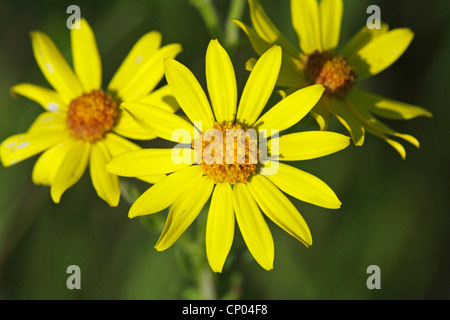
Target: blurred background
[395,213]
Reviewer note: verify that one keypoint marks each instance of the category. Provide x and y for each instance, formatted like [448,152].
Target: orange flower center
[91,115]
[228,153]
[333,71]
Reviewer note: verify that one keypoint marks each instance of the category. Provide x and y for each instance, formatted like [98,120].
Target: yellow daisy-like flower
[82,124]
[369,52]
[240,183]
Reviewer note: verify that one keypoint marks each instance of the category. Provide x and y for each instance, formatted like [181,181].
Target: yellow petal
[259,86]
[146,162]
[48,99]
[141,52]
[152,179]
[221,82]
[348,119]
[86,59]
[117,145]
[162,98]
[72,168]
[158,121]
[321,115]
[359,107]
[128,127]
[250,64]
[331,12]
[220,226]
[291,70]
[49,121]
[253,227]
[279,209]
[291,73]
[46,167]
[54,67]
[291,109]
[189,93]
[304,186]
[148,75]
[361,39]
[259,44]
[305,20]
[25,145]
[380,53]
[309,145]
[165,192]
[106,184]
[396,145]
[267,30]
[386,107]
[184,211]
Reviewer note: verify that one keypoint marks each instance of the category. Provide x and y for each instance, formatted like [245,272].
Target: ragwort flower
[239,189]
[369,52]
[82,124]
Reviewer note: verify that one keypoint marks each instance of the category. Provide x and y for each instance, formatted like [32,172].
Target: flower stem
[206,285]
[209,15]
[229,35]
[236,10]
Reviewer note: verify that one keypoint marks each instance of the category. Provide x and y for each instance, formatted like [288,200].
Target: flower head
[232,156]
[369,52]
[82,123]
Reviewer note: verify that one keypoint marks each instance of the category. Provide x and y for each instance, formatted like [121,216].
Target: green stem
[129,191]
[206,285]
[192,258]
[209,15]
[231,29]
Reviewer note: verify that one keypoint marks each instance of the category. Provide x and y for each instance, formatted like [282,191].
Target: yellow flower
[82,124]
[239,189]
[369,52]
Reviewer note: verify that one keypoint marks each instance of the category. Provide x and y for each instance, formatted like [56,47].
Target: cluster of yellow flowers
[84,124]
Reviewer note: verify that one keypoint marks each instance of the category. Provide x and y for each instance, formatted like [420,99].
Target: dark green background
[394,212]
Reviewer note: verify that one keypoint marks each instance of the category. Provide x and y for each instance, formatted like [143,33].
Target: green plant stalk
[231,38]
[210,16]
